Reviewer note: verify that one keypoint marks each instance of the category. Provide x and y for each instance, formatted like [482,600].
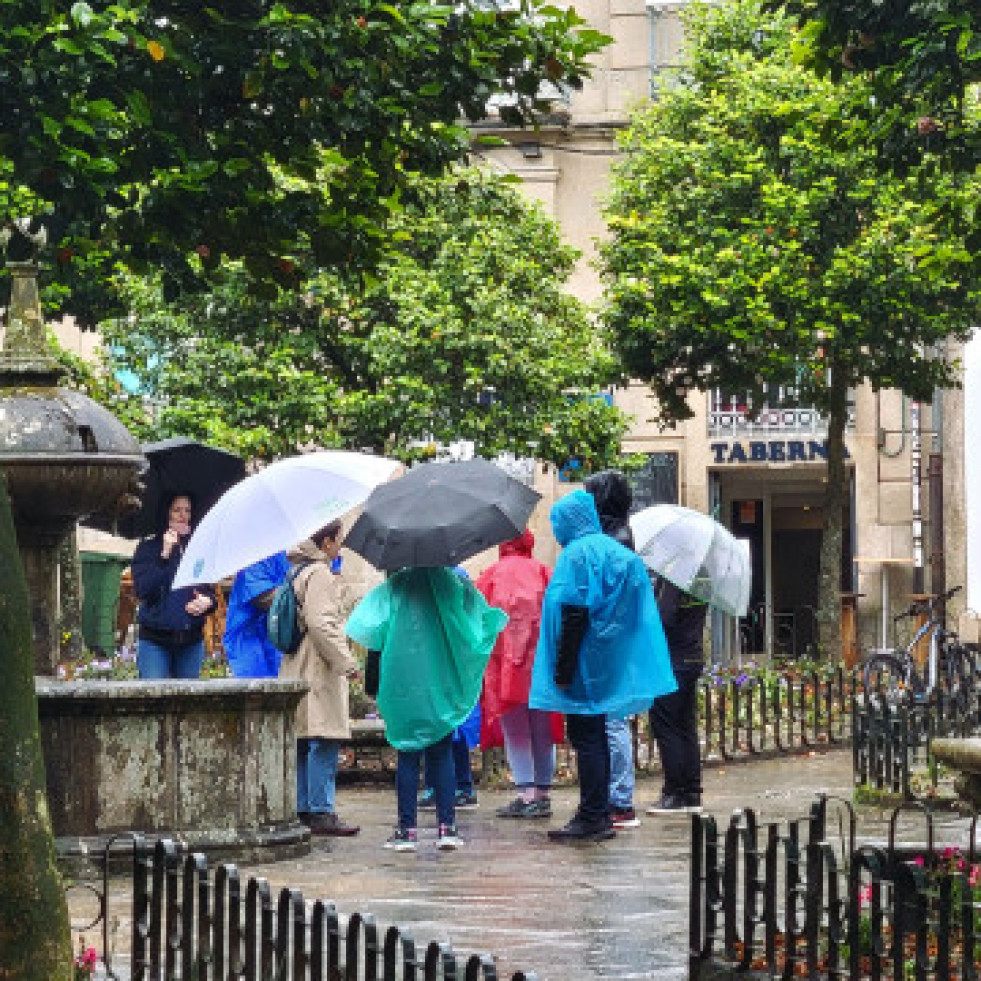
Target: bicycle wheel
[886,676]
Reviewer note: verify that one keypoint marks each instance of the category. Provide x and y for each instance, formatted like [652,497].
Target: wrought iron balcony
[734,415]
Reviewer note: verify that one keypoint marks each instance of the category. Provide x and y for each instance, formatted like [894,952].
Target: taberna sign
[772,451]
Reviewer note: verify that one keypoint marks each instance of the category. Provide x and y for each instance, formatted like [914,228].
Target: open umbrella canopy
[696,553]
[440,514]
[180,466]
[274,509]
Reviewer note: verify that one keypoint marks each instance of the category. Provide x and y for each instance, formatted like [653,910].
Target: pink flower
[918,861]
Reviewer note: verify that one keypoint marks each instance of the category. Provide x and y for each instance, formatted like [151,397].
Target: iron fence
[892,730]
[797,899]
[190,923]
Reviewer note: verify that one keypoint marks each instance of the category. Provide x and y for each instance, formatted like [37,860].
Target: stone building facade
[765,478]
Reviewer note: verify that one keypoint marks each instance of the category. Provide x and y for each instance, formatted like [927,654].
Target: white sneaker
[448,840]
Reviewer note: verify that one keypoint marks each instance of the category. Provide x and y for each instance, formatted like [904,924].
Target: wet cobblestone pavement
[614,910]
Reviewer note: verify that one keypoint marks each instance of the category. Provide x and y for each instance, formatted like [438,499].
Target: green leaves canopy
[464,333]
[922,59]
[157,129]
[754,239]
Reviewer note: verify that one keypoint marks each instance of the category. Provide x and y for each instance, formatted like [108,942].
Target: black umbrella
[441,514]
[180,466]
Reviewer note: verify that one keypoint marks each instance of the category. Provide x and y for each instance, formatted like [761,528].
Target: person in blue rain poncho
[247,646]
[601,650]
[429,635]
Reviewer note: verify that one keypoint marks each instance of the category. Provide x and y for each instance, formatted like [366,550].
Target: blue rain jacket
[247,646]
[435,632]
[623,661]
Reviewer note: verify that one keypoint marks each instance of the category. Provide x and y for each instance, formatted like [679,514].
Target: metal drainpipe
[938,566]
[915,461]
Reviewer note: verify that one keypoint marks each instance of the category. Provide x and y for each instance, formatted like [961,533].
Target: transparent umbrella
[277,507]
[696,553]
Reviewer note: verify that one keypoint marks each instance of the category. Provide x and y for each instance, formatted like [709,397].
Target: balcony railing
[733,415]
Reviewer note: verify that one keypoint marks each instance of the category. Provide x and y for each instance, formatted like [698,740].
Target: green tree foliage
[156,130]
[755,241]
[176,136]
[462,332]
[920,59]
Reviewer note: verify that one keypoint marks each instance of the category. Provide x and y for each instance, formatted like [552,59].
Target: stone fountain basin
[64,455]
[47,487]
[963,755]
[209,762]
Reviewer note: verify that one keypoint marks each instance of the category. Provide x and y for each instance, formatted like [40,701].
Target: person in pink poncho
[516,584]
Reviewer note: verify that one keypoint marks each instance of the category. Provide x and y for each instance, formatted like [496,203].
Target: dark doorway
[747,522]
[796,557]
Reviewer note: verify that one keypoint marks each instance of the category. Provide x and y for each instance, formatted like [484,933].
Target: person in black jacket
[674,717]
[171,622]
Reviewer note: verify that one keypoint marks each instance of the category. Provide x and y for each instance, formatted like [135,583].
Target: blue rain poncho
[247,645]
[435,633]
[623,663]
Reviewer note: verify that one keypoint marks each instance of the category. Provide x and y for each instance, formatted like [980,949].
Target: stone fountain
[63,456]
[212,763]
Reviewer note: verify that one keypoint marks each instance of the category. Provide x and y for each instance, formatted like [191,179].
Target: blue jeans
[439,765]
[316,775]
[621,763]
[155,661]
[462,768]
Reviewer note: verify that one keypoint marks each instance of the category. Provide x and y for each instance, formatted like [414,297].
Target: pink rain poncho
[516,583]
[435,633]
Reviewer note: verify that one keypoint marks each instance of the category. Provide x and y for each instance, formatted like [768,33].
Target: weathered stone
[963,755]
[63,456]
[212,763]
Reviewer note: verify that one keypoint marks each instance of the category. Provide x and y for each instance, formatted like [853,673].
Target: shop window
[656,482]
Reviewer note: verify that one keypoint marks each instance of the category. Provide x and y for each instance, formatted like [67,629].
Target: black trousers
[587,733]
[674,721]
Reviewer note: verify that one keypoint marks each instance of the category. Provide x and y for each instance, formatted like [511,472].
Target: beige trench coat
[323,659]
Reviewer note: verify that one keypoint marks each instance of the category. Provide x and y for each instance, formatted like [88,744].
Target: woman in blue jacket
[171,622]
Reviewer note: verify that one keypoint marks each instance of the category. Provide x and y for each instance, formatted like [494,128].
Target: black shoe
[677,804]
[579,830]
[331,825]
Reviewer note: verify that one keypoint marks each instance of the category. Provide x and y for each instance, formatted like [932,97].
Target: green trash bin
[100,599]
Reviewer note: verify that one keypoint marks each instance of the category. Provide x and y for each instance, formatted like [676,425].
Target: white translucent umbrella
[274,509]
[696,553]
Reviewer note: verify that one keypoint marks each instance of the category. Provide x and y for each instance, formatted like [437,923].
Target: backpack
[283,617]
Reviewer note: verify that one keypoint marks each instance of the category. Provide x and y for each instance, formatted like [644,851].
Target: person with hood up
[601,651]
[323,661]
[249,650]
[613,496]
[171,622]
[429,635]
[516,583]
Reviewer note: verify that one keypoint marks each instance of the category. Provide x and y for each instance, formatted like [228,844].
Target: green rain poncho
[435,633]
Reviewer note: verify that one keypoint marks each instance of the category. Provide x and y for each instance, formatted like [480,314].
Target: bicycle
[892,673]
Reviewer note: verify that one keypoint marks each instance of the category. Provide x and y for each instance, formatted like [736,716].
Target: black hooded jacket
[613,496]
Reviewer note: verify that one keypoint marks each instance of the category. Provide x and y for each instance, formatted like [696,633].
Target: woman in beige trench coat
[324,662]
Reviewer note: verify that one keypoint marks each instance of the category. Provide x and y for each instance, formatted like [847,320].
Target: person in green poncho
[429,636]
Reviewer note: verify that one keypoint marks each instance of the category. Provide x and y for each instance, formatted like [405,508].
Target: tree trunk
[829,577]
[35,940]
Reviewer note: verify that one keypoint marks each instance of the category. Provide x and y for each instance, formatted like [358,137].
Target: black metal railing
[189,923]
[752,713]
[802,899]
[892,730]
